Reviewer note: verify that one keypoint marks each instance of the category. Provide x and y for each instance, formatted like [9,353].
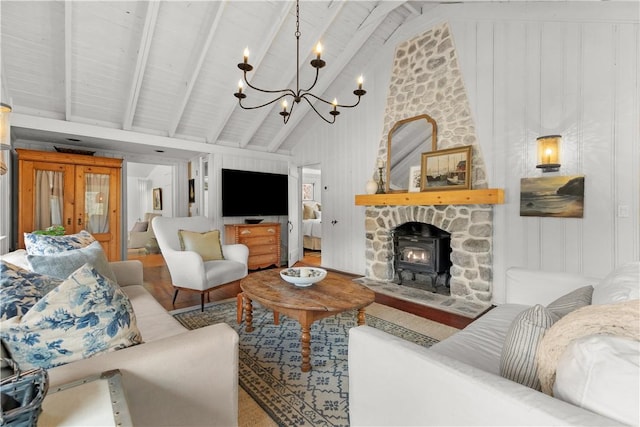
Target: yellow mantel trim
[485,196]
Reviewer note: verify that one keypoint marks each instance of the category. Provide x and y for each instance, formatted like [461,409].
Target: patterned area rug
[270,362]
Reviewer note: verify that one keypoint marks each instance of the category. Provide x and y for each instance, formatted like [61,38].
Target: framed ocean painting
[554,196]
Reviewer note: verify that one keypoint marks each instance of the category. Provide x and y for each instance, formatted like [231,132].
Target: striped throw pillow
[518,358]
[572,301]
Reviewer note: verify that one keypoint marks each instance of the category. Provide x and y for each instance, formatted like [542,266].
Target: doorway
[312,214]
[142,180]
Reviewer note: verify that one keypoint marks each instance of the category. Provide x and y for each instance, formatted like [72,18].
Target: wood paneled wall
[529,70]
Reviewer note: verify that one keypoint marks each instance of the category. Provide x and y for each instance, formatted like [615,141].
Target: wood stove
[422,256]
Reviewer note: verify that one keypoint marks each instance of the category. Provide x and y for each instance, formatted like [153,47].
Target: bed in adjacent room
[311,226]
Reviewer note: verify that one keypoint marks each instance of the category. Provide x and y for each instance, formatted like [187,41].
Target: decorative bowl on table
[303,276]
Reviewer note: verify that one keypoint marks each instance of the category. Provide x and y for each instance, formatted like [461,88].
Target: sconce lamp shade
[549,153]
[5,128]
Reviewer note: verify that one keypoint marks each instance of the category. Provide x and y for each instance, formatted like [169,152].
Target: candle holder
[380,182]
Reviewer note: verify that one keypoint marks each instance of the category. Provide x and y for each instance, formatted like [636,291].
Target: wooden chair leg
[239,307]
[175,295]
[201,301]
[276,318]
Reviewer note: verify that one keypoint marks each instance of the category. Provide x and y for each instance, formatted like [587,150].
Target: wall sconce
[549,153]
[5,135]
[5,128]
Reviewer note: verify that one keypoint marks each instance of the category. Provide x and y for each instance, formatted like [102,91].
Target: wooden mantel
[485,196]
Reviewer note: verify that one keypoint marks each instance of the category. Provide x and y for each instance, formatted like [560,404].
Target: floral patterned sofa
[171,376]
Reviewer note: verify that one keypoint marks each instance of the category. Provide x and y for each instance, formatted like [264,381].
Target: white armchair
[138,239]
[188,270]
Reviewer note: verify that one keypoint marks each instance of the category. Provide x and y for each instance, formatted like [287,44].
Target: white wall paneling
[529,70]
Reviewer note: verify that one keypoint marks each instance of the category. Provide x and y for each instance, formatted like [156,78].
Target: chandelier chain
[297,34]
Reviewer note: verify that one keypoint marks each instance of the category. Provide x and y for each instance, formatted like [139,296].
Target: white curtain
[97,203]
[144,196]
[49,199]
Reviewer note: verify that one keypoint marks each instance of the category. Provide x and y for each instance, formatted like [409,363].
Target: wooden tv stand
[263,241]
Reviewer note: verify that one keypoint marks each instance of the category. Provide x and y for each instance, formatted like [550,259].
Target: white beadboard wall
[530,69]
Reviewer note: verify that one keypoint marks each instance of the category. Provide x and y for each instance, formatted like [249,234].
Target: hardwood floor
[157,281]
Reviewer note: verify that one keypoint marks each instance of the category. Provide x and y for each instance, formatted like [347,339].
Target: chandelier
[298,94]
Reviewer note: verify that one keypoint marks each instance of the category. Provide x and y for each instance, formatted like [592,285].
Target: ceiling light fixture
[299,94]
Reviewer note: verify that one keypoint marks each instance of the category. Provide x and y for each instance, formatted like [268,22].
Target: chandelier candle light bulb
[335,111]
[284,112]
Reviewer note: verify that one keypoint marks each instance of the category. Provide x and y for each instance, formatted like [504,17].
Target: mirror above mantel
[407,140]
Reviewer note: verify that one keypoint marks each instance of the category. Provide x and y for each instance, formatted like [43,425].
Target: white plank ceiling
[168,68]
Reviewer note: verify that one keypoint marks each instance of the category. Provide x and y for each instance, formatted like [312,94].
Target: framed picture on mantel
[446,170]
[414,179]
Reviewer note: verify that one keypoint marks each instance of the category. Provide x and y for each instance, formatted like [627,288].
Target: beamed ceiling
[164,72]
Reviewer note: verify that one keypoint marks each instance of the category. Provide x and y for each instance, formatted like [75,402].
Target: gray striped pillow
[518,359]
[564,305]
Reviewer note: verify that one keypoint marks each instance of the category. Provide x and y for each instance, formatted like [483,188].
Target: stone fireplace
[426,79]
[471,232]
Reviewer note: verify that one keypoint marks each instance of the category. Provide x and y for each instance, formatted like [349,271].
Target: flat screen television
[247,193]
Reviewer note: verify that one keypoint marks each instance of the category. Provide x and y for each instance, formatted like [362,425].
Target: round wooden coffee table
[332,295]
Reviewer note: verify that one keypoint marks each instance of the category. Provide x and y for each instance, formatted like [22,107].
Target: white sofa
[394,382]
[176,377]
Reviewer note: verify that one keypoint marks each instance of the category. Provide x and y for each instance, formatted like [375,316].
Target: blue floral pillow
[42,244]
[20,289]
[62,264]
[85,315]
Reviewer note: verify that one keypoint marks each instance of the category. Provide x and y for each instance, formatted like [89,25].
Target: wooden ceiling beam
[229,104]
[141,63]
[366,29]
[68,35]
[183,97]
[289,80]
[411,9]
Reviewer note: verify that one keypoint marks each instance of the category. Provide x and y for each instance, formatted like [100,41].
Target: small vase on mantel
[372,187]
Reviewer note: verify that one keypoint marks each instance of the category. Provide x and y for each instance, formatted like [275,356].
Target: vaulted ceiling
[168,68]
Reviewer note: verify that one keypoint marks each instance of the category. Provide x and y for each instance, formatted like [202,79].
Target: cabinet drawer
[267,230]
[263,260]
[258,240]
[263,249]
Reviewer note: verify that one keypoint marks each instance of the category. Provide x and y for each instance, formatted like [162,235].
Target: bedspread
[312,227]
